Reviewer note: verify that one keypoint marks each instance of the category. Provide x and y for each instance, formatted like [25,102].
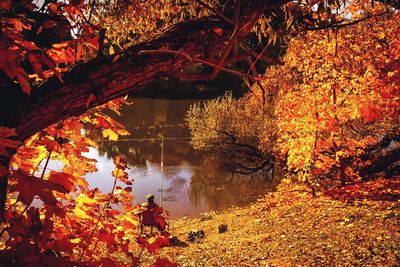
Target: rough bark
[105,78]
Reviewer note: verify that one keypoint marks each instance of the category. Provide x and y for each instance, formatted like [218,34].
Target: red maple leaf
[29,186]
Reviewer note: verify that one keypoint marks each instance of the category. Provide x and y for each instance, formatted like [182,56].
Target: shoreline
[290,228]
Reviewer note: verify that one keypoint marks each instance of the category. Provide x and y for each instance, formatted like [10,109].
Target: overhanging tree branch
[202,61]
[105,78]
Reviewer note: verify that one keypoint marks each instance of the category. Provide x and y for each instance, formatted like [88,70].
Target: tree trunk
[104,78]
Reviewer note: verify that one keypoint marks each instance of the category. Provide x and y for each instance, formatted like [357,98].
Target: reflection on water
[222,189]
[189,182]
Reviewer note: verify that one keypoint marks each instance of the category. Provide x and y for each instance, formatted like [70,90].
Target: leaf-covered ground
[289,228]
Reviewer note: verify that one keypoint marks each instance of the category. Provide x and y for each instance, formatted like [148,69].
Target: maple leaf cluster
[53,216]
[36,42]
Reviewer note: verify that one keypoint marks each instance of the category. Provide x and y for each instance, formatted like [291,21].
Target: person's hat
[150,197]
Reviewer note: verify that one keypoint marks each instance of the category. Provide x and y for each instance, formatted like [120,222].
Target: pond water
[161,161]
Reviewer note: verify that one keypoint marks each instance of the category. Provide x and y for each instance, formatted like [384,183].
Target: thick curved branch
[105,78]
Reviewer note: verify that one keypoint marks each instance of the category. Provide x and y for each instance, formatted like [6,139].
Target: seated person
[151,215]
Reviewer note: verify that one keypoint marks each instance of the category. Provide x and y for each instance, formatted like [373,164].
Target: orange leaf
[66,180]
[120,162]
[29,186]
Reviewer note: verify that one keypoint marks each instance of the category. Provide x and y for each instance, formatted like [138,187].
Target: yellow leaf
[75,240]
[111,50]
[80,213]
[84,200]
[110,134]
[2,245]
[132,220]
[152,240]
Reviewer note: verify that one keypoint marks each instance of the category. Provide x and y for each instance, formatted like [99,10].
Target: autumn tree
[333,110]
[243,130]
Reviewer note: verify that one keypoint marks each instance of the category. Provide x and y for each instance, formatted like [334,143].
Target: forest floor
[358,225]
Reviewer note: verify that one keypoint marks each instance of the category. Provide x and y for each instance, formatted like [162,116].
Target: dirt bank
[290,228]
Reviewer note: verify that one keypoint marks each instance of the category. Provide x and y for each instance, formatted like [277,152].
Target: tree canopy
[323,110]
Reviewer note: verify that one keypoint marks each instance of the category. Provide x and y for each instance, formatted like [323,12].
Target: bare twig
[45,165]
[101,215]
[92,5]
[236,18]
[215,11]
[253,53]
[258,58]
[198,60]
[345,23]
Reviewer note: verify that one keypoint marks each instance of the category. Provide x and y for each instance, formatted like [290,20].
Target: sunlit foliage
[334,97]
[68,222]
[244,130]
[127,23]
[337,106]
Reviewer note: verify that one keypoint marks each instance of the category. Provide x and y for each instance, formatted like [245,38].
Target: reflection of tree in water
[138,152]
[147,119]
[222,189]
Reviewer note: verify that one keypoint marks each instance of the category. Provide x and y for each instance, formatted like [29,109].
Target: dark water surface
[189,182]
